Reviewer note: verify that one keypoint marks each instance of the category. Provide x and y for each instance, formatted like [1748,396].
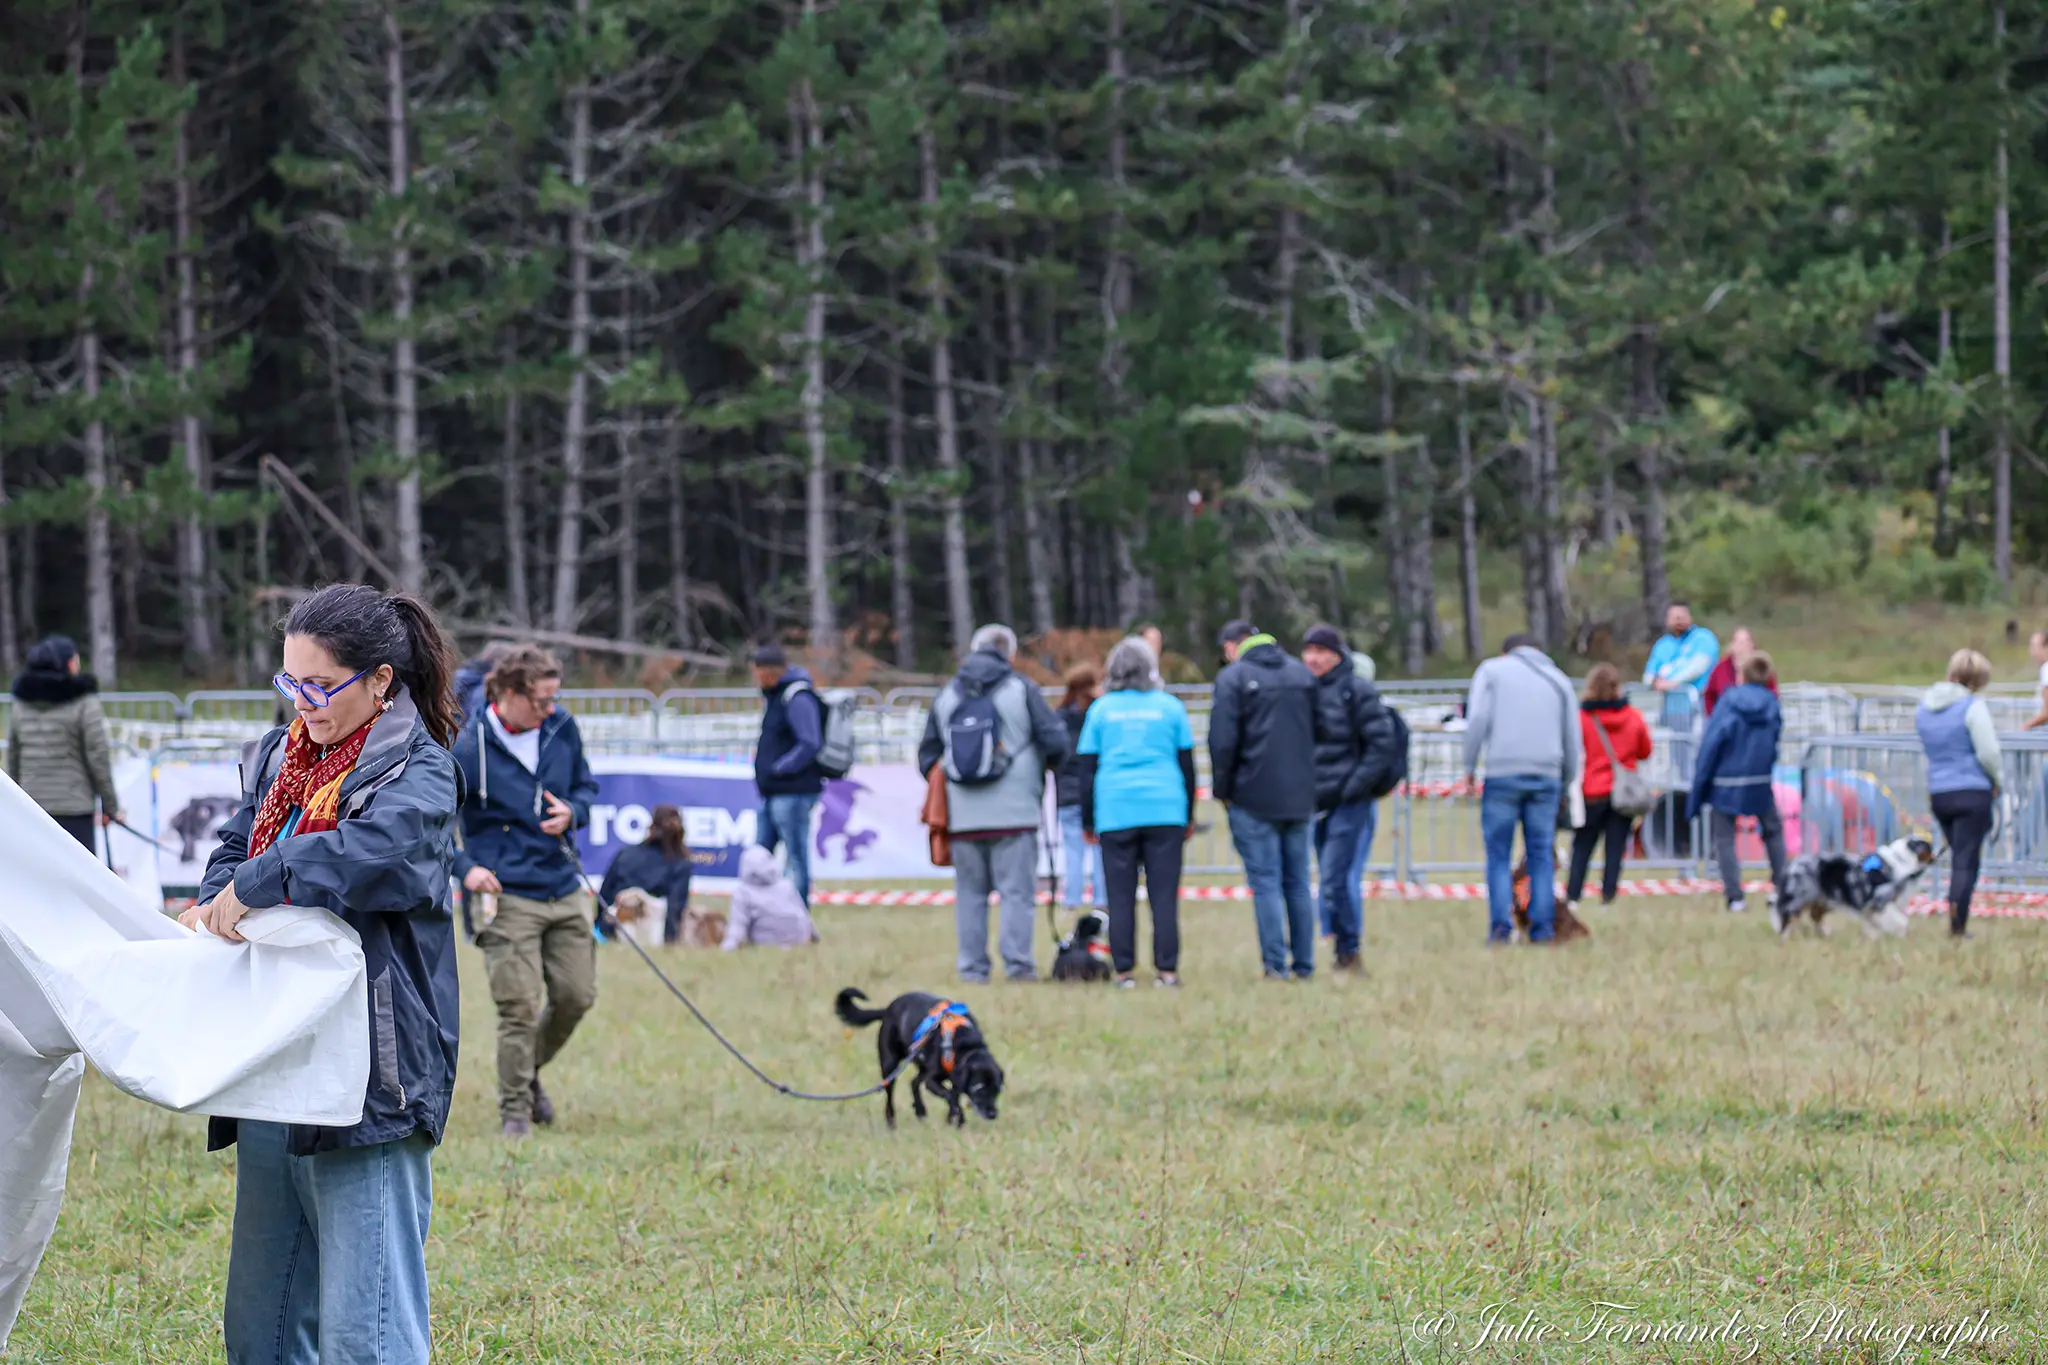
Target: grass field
[1682,1116]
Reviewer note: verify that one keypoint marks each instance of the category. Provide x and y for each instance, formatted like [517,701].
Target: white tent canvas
[276,1028]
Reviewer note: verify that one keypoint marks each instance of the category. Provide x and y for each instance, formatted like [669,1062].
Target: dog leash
[780,1087]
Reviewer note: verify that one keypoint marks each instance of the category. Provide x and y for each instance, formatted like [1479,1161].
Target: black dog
[1083,955]
[952,1057]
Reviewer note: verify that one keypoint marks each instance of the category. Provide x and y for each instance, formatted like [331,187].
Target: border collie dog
[1873,887]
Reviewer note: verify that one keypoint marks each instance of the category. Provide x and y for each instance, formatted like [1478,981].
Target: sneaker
[1737,906]
[515,1129]
[543,1107]
[1169,979]
[1281,977]
[1350,964]
[1126,982]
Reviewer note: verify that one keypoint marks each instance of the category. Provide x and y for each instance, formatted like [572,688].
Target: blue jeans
[1275,856]
[1343,843]
[787,820]
[328,1261]
[1530,802]
[1082,860]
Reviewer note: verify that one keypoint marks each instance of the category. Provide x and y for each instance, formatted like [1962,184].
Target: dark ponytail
[363,628]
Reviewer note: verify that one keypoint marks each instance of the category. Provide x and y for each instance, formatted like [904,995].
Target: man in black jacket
[1355,761]
[1262,749]
[786,761]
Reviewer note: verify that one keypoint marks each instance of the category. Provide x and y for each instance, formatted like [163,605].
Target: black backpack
[975,756]
[1397,771]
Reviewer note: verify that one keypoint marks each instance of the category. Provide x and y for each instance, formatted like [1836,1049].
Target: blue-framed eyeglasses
[313,694]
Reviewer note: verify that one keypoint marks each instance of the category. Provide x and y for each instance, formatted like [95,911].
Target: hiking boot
[517,1130]
[1349,963]
[543,1107]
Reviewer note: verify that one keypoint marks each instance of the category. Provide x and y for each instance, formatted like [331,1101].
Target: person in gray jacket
[1523,715]
[57,745]
[998,740]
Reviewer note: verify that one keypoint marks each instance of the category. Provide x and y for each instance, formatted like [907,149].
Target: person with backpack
[1522,715]
[991,729]
[1356,763]
[1262,753]
[1733,775]
[1615,738]
[786,771]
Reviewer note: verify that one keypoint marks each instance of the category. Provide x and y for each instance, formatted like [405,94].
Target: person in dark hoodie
[57,749]
[1354,759]
[1262,752]
[660,865]
[469,679]
[786,761]
[351,807]
[529,789]
[1733,775]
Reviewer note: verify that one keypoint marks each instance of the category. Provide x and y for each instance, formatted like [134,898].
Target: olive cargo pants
[542,962]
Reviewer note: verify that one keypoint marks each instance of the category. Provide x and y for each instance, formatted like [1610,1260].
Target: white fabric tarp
[276,1028]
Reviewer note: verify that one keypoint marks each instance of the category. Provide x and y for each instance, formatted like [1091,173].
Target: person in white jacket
[766,909]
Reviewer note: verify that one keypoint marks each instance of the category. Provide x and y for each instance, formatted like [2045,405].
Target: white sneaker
[1737,906]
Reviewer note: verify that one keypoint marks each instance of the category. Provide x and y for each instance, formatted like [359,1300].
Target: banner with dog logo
[865,825]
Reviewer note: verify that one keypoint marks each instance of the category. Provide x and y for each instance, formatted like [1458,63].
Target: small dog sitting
[941,1037]
[1564,924]
[644,918]
[1084,954]
[1873,887]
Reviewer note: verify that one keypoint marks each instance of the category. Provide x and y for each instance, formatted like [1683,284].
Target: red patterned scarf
[309,781]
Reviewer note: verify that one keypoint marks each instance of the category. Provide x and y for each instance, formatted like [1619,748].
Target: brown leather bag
[935,816]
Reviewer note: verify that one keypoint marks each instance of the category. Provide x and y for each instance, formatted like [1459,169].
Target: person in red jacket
[1604,712]
[1728,672]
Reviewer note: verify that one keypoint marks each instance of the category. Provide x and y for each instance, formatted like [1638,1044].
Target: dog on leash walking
[943,1040]
[1872,888]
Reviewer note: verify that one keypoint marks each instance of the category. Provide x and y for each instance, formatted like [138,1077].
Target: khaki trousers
[543,967]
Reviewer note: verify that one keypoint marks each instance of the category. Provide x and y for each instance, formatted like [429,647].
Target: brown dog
[1568,926]
[645,918]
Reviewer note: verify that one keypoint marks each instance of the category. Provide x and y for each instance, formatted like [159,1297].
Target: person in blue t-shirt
[1680,661]
[1137,756]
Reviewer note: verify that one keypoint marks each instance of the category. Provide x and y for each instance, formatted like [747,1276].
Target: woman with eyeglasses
[350,807]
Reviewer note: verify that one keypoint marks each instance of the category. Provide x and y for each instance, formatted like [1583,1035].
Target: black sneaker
[543,1107]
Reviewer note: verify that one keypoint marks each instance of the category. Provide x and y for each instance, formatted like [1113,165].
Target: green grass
[1683,1115]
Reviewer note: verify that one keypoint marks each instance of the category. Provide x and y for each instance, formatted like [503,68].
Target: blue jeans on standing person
[787,820]
[1530,802]
[1082,861]
[1343,843]
[1275,854]
[328,1259]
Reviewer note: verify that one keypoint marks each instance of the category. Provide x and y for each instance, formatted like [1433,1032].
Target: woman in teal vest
[1964,773]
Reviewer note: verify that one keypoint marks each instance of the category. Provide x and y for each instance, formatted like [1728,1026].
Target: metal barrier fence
[1858,792]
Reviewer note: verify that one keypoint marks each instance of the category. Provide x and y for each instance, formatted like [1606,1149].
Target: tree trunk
[1535,601]
[679,555]
[99,543]
[817,477]
[1400,562]
[30,620]
[1556,603]
[1944,543]
[1002,595]
[1037,555]
[1609,511]
[2001,327]
[959,606]
[405,412]
[192,584]
[1421,639]
[1650,467]
[512,487]
[576,417]
[902,608]
[1132,592]
[345,454]
[629,537]
[10,630]
[1468,542]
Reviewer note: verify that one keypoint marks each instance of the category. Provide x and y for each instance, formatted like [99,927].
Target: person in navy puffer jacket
[530,789]
[1733,774]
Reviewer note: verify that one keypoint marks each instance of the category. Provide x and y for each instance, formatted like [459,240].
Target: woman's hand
[218,916]
[1188,834]
[1088,836]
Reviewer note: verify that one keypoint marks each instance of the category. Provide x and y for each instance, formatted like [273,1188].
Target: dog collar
[947,1016]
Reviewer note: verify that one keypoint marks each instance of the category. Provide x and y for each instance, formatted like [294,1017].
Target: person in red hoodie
[1605,712]
[1728,672]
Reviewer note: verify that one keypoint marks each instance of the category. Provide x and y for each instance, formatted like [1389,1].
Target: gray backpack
[1631,795]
